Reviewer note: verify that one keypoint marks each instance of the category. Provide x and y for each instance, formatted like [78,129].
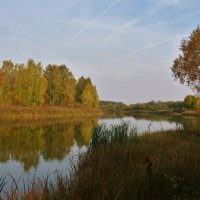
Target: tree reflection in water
[27,143]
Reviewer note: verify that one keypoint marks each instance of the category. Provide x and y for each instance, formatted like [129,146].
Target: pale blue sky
[125,46]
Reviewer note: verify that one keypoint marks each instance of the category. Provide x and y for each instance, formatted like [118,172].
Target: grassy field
[46,112]
[121,165]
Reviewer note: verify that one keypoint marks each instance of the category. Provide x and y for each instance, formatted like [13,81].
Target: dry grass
[46,112]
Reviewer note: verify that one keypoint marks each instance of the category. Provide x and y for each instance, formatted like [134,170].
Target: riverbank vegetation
[121,165]
[190,106]
[30,90]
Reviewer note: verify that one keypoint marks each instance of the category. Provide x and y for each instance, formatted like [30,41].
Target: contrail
[145,48]
[90,23]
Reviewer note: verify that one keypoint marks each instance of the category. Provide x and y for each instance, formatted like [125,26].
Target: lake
[35,148]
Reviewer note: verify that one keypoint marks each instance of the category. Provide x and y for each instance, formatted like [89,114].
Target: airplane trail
[91,22]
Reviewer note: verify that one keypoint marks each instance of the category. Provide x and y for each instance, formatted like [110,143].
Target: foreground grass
[47,112]
[121,165]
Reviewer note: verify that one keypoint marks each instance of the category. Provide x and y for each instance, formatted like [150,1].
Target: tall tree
[87,93]
[30,84]
[1,84]
[52,75]
[79,88]
[186,67]
[9,71]
[1,77]
[61,85]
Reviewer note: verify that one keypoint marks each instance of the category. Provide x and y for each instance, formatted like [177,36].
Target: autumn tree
[87,93]
[61,85]
[30,84]
[52,75]
[8,85]
[1,83]
[79,88]
[68,86]
[1,77]
[186,67]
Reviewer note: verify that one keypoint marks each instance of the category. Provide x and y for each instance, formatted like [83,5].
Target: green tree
[190,101]
[186,67]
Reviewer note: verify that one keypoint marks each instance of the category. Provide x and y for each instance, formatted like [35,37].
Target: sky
[126,46]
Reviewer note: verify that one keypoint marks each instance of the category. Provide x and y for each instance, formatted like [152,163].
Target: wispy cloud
[91,22]
[149,46]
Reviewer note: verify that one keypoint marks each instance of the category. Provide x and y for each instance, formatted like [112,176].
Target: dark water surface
[31,148]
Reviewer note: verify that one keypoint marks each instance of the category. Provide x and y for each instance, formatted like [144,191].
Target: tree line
[31,85]
[190,103]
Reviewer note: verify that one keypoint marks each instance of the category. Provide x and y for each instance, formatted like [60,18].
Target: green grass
[121,165]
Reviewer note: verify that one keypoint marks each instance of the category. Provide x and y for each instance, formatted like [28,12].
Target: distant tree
[186,67]
[190,101]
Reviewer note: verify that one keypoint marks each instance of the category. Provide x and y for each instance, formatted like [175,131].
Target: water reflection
[28,144]
[46,145]
[171,122]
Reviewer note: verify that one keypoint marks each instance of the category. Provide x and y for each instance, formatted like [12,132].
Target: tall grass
[104,135]
[121,165]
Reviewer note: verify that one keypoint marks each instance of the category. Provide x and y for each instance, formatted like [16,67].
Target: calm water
[37,148]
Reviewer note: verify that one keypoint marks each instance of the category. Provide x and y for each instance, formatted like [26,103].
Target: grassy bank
[121,165]
[46,112]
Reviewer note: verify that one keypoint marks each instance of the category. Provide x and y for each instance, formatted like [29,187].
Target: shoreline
[154,112]
[14,112]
